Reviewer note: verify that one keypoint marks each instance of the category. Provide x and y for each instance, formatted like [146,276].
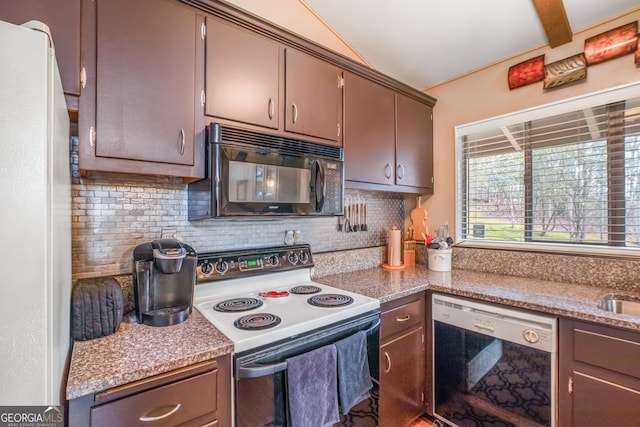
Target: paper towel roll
[395,249]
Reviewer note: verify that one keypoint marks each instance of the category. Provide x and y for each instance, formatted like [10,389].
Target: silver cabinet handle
[387,359]
[294,111]
[182,141]
[400,174]
[403,319]
[175,409]
[387,170]
[338,130]
[272,109]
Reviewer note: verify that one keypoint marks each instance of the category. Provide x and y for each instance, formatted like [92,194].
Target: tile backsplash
[113,213]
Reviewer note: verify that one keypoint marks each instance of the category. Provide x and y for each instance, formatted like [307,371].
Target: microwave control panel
[333,187]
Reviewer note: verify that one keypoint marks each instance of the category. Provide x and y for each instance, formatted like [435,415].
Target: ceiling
[426,42]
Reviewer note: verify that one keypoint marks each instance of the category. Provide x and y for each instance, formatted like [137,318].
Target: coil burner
[330,300]
[304,290]
[253,322]
[237,304]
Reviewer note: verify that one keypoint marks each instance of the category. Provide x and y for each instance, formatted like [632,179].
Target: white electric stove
[259,297]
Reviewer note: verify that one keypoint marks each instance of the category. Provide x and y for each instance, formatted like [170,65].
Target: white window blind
[572,177]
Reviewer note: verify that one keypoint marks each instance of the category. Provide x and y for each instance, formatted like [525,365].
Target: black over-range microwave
[255,174]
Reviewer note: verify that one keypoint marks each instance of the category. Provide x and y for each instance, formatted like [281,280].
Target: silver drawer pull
[160,417]
[403,319]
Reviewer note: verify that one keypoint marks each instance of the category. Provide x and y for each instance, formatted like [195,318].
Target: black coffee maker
[164,276]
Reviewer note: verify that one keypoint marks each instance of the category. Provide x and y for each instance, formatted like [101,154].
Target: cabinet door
[243,75]
[313,93]
[597,402]
[599,379]
[146,77]
[63,19]
[414,143]
[369,132]
[401,379]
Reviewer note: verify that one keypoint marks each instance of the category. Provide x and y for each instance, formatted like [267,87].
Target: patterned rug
[364,414]
[514,393]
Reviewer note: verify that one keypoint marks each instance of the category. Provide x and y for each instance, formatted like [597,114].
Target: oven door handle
[373,328]
[256,370]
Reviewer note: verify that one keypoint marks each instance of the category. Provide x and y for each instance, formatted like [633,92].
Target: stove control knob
[222,267]
[273,260]
[293,258]
[304,257]
[206,268]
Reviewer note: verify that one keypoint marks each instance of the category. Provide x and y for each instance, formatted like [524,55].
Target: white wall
[296,17]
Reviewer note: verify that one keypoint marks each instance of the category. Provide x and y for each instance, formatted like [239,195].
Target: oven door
[260,376]
[492,365]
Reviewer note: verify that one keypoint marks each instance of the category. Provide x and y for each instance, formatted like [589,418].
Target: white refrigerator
[35,219]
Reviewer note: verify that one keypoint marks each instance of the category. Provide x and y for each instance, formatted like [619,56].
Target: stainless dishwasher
[492,365]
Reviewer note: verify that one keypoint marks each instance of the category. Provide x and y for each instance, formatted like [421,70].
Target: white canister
[439,259]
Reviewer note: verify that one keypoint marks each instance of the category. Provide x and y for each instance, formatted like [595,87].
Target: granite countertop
[138,351]
[559,298]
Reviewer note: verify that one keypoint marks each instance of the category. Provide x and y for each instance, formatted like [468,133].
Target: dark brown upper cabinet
[388,139]
[313,93]
[63,19]
[254,80]
[414,144]
[369,133]
[142,109]
[243,75]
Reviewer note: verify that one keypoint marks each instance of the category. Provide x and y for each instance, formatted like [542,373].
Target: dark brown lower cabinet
[197,395]
[402,356]
[599,375]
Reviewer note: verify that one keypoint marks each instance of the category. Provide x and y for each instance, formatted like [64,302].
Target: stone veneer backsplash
[112,213]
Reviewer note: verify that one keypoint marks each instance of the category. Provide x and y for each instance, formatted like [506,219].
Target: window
[564,174]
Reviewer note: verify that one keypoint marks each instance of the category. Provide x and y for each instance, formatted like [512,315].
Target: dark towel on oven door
[312,388]
[354,379]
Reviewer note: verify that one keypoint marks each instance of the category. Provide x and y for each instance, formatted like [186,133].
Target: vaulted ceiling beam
[554,21]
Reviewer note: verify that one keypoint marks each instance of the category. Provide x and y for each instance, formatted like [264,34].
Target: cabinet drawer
[608,352]
[402,317]
[170,405]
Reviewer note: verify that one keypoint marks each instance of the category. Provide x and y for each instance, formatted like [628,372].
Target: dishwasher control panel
[514,325]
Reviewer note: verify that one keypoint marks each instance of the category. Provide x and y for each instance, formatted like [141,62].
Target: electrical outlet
[169,233]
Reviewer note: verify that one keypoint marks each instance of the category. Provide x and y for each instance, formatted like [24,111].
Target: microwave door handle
[256,370]
[320,184]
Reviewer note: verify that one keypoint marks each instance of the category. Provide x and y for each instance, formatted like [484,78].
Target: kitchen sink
[621,304]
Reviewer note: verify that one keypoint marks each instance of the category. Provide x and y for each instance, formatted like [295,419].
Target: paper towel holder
[390,256]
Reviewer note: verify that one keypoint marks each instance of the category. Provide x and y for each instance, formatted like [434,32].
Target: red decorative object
[637,55]
[611,44]
[527,72]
